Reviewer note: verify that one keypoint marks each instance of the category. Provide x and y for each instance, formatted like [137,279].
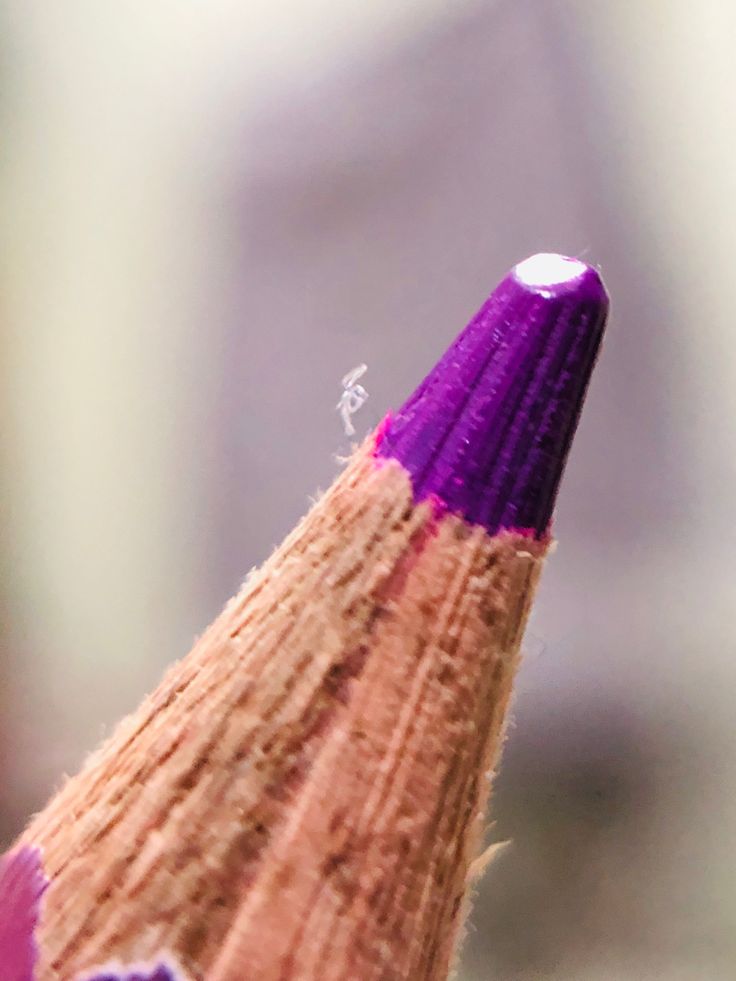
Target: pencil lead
[488,431]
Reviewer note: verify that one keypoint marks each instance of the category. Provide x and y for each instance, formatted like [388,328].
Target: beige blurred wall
[123,123]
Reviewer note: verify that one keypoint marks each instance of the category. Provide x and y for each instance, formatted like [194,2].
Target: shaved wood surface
[302,797]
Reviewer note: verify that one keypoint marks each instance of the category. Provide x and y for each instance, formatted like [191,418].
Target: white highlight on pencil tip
[352,398]
[548,269]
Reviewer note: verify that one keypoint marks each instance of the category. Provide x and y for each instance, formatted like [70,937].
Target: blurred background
[210,213]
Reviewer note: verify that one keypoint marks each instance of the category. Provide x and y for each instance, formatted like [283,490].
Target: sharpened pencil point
[488,430]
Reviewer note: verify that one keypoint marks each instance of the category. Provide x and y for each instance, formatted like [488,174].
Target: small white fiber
[352,398]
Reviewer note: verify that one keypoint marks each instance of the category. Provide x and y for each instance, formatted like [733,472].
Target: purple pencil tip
[488,430]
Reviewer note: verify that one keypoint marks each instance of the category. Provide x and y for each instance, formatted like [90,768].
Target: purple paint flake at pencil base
[22,884]
[159,973]
[488,430]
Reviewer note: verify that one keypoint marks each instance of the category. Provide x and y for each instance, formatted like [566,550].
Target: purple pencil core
[489,429]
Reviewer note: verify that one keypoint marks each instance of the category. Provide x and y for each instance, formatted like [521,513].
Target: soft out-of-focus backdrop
[210,212]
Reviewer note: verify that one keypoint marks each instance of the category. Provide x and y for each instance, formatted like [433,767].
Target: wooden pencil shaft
[302,796]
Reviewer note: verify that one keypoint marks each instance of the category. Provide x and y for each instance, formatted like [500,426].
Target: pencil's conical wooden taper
[301,797]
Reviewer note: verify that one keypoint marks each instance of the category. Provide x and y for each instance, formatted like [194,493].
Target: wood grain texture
[302,796]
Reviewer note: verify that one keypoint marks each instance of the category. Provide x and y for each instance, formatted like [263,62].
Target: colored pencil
[304,794]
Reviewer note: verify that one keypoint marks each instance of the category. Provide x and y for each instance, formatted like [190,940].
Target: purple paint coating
[22,884]
[488,431]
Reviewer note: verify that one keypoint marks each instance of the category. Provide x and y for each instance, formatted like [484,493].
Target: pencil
[303,795]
